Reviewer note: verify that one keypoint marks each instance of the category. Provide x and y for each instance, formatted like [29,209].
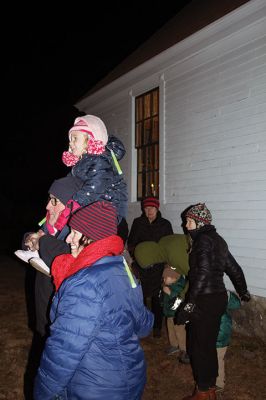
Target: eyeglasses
[53,200]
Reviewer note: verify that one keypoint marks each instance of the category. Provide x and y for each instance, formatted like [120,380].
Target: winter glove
[175,302]
[184,313]
[245,296]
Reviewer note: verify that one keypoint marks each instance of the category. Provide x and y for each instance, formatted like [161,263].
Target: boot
[198,395]
[212,393]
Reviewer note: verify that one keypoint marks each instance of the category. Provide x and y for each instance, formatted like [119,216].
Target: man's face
[151,213]
[55,207]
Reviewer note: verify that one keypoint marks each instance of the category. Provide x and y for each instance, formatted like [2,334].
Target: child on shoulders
[94,157]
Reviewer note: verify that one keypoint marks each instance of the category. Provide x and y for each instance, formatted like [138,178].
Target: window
[147,143]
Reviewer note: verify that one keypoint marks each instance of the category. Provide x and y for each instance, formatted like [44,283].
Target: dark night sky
[50,61]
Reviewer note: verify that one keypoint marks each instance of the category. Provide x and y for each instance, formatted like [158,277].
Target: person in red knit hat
[150,226]
[97,316]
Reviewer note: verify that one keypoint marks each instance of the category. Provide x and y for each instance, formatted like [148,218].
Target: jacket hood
[116,146]
[171,249]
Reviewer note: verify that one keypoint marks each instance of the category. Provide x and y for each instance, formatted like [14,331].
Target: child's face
[32,241]
[78,143]
[168,280]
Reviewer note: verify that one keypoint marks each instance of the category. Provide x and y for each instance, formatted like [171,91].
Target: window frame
[147,143]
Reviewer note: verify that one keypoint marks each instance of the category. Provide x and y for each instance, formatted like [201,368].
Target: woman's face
[73,239]
[191,224]
[78,143]
[151,213]
[55,207]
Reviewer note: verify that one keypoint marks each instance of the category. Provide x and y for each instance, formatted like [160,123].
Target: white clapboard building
[190,108]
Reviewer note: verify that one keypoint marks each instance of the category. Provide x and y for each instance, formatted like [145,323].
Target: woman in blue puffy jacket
[93,351]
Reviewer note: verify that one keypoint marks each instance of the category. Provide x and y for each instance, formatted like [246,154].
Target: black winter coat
[208,260]
[142,230]
[101,180]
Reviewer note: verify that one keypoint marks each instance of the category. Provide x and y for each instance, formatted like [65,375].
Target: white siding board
[238,162]
[257,265]
[221,138]
[233,200]
[174,127]
[258,246]
[253,234]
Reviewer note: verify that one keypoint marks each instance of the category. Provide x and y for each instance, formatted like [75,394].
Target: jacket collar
[206,228]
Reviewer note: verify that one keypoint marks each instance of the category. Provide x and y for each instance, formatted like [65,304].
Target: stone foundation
[250,319]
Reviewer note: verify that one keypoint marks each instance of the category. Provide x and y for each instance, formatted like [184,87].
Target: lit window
[147,144]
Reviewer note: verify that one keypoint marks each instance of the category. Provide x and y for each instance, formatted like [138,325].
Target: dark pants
[157,310]
[50,247]
[151,282]
[202,335]
[37,346]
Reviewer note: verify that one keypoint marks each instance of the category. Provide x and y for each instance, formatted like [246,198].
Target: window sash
[147,143]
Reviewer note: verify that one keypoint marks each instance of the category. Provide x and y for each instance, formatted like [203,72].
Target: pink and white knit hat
[93,126]
[97,137]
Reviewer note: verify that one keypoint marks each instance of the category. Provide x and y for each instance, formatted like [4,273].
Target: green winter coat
[225,332]
[177,289]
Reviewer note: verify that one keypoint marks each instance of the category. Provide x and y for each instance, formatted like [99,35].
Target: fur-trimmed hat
[96,221]
[151,202]
[91,125]
[200,214]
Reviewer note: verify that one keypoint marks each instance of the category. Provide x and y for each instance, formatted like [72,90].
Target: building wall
[212,130]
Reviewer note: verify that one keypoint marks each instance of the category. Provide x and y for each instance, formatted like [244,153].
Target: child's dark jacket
[101,178]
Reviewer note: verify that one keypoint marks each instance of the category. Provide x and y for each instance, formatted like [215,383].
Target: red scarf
[67,265]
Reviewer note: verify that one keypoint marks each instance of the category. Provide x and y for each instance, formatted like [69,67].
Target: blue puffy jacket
[93,352]
[101,178]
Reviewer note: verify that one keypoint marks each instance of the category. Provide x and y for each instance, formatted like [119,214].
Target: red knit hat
[96,221]
[151,202]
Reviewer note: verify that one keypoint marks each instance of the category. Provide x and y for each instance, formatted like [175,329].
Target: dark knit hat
[151,202]
[96,221]
[64,188]
[200,214]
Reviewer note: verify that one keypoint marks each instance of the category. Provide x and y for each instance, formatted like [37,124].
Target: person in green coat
[171,250]
[224,336]
[173,288]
